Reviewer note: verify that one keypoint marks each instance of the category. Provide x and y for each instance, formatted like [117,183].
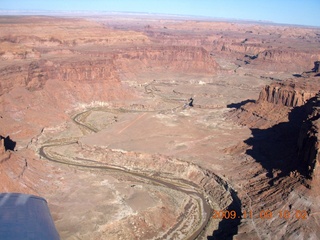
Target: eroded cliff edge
[284,122]
[295,103]
[308,143]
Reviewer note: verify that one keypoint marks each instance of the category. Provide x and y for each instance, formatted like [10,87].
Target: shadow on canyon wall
[274,148]
[229,227]
[240,104]
[277,146]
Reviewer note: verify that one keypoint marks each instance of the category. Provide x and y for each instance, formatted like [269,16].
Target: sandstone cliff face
[275,102]
[82,70]
[238,48]
[285,128]
[172,58]
[286,94]
[308,142]
[268,57]
[290,106]
[105,66]
[291,59]
[34,75]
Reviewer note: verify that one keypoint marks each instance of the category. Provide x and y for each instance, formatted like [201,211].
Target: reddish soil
[106,100]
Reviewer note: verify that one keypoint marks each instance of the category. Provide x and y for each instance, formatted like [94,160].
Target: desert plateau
[159,127]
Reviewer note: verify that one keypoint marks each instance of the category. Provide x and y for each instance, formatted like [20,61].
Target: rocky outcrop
[188,58]
[286,94]
[285,125]
[2,148]
[238,48]
[268,57]
[288,59]
[279,59]
[82,70]
[275,102]
[309,141]
[295,106]
[34,75]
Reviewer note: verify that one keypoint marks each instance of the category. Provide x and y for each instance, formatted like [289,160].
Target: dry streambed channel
[201,190]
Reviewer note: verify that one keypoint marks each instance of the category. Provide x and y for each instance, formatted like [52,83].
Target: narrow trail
[131,123]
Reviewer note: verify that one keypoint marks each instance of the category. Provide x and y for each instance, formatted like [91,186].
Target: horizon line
[21,12]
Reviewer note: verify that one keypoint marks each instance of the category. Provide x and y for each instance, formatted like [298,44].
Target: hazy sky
[303,12]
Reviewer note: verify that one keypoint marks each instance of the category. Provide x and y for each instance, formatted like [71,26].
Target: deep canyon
[95,118]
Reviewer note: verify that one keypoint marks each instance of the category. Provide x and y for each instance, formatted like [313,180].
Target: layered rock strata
[34,75]
[172,58]
[284,148]
[287,94]
[276,101]
[309,142]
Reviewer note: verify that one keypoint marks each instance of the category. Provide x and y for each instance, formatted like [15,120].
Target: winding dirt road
[181,185]
[197,193]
